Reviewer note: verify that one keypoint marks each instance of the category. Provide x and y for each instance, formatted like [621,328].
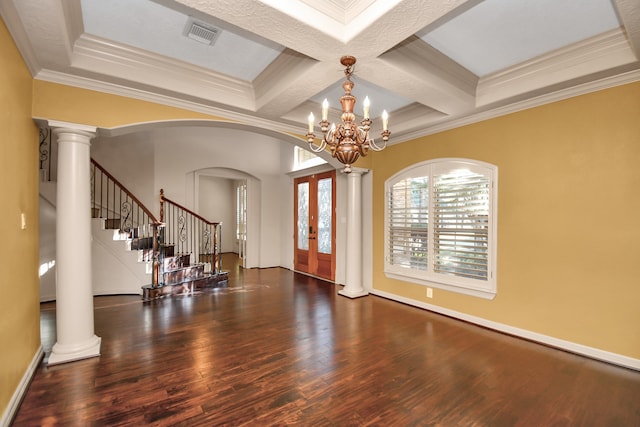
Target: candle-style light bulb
[311,120]
[325,109]
[365,107]
[385,120]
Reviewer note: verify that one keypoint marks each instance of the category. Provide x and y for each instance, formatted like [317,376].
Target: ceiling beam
[629,14]
[417,71]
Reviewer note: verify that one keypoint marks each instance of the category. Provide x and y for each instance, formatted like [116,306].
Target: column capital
[357,171]
[58,126]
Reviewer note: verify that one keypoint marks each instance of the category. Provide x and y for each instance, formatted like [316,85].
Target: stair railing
[190,233]
[113,202]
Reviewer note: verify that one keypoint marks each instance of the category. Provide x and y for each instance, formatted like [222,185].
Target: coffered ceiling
[433,64]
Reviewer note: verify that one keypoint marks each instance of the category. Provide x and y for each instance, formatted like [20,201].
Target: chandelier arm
[362,135]
[329,138]
[318,148]
[376,147]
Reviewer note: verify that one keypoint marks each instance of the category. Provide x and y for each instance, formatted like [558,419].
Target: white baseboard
[591,352]
[47,298]
[14,403]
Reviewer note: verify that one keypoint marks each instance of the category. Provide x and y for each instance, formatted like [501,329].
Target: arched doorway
[233,198]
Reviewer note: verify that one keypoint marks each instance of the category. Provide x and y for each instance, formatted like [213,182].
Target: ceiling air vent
[201,32]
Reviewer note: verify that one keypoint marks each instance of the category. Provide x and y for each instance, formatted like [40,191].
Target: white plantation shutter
[440,225]
[408,220]
[460,216]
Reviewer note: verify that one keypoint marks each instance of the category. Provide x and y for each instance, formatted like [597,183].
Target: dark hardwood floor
[279,348]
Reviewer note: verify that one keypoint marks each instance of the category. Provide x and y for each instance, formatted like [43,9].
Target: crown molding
[148,96]
[440,124]
[103,57]
[605,51]
[547,98]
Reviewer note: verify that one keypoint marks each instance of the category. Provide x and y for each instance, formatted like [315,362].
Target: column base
[351,294]
[62,353]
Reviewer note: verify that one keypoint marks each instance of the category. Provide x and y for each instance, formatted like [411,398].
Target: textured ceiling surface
[432,64]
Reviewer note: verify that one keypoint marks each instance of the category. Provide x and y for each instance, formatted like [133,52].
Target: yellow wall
[19,287]
[568,217]
[69,104]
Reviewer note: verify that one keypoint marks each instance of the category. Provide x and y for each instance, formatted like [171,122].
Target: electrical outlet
[429,292]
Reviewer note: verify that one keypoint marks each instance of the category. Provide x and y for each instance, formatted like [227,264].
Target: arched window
[441,225]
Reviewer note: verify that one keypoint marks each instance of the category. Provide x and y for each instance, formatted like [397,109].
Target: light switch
[23,220]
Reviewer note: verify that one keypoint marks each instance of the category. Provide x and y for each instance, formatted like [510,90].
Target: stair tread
[206,276]
[183,268]
[214,280]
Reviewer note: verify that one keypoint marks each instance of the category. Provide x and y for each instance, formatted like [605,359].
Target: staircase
[167,268]
[133,252]
[189,254]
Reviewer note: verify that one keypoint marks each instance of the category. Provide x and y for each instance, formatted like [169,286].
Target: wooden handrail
[165,199]
[126,191]
[131,216]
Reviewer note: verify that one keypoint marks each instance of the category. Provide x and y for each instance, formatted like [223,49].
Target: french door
[315,224]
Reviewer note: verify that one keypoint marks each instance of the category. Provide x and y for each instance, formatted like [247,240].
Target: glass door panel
[303,216]
[325,216]
[314,229]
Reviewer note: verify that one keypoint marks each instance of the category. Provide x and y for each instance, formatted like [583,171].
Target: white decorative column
[353,287]
[74,295]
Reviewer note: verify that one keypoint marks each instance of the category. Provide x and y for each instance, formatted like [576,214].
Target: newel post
[155,280]
[162,205]
[155,276]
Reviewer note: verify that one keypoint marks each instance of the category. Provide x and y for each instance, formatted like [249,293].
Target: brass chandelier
[347,141]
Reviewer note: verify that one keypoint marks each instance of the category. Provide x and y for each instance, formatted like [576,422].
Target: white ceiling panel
[150,26]
[497,34]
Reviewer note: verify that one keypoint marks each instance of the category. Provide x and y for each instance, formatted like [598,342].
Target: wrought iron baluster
[191,235]
[127,222]
[45,148]
[101,186]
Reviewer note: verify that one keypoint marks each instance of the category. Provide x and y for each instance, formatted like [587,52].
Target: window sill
[488,293]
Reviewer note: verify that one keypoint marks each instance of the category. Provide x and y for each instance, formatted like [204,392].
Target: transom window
[303,159]
[440,226]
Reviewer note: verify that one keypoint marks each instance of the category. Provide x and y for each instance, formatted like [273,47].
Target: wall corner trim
[583,350]
[21,390]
